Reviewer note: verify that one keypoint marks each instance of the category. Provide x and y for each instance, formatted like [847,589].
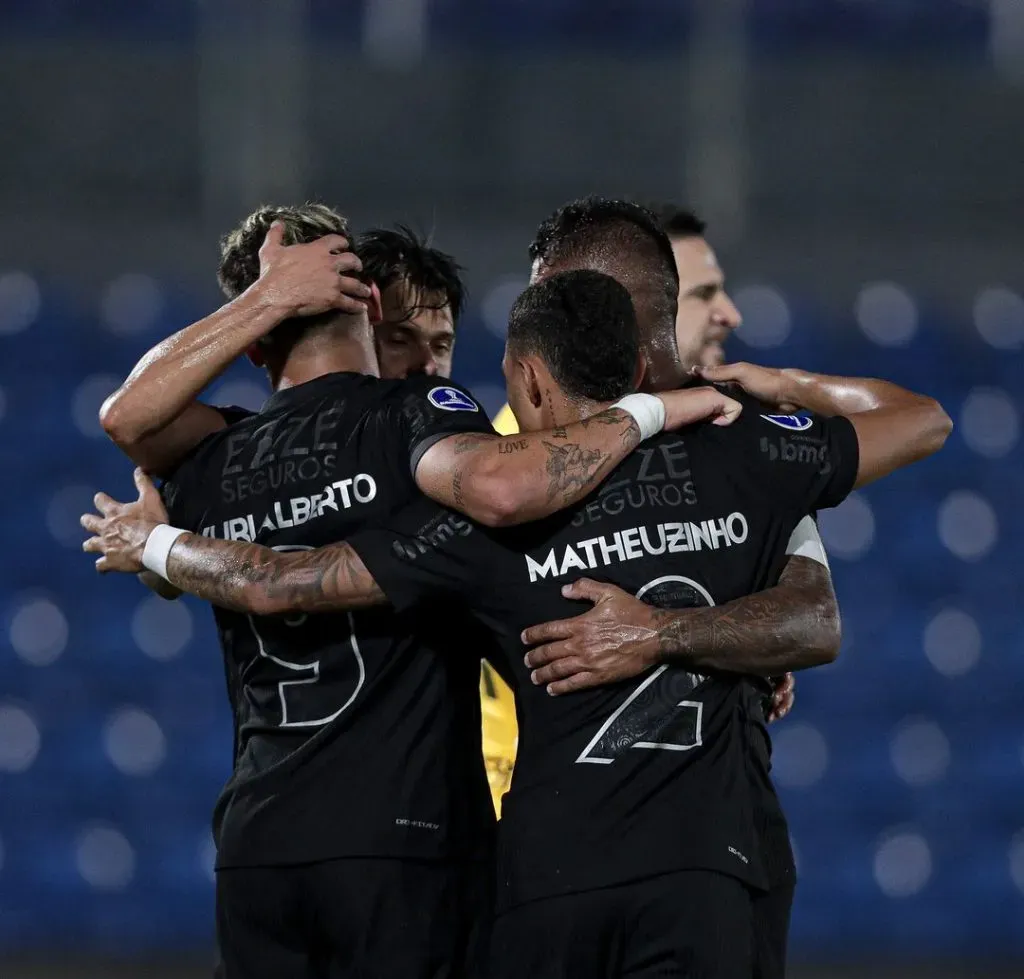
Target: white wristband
[158,548]
[648,412]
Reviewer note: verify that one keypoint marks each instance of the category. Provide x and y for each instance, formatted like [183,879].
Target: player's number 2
[299,708]
[659,713]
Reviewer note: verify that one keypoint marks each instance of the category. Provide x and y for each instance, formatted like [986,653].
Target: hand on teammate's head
[315,277]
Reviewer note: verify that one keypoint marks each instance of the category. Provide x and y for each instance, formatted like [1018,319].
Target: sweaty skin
[894,428]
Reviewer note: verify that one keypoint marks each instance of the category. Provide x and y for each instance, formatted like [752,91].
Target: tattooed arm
[255,579]
[500,481]
[241,577]
[237,576]
[793,626]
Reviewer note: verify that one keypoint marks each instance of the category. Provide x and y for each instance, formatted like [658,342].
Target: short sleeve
[176,498]
[175,489]
[424,552]
[432,411]
[233,413]
[806,462]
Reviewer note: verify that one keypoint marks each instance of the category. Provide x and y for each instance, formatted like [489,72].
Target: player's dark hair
[240,257]
[622,239]
[678,222]
[398,254]
[583,326]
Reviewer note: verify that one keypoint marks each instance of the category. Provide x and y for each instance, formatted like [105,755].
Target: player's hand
[767,384]
[691,405]
[783,697]
[122,529]
[311,278]
[615,640]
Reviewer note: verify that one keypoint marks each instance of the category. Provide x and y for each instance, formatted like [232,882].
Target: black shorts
[691,924]
[359,918]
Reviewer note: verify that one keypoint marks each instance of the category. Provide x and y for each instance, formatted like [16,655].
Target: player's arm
[502,480]
[895,427]
[794,625]
[134,538]
[154,417]
[424,552]
[258,580]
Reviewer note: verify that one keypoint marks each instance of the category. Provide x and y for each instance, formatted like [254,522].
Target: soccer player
[628,840]
[421,300]
[348,833]
[705,316]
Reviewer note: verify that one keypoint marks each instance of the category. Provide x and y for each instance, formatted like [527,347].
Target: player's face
[706,314]
[416,341]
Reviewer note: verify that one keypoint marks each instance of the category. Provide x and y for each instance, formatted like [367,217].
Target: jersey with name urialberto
[650,775]
[355,735]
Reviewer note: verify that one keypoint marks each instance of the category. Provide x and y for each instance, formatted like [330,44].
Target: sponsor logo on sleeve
[451,399]
[795,423]
[801,449]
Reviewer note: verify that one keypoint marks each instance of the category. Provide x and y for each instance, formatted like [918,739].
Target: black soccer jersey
[354,736]
[654,774]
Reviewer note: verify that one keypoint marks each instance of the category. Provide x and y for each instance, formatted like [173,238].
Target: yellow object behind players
[500,732]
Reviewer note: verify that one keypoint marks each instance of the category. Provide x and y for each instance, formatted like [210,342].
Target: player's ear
[640,373]
[374,309]
[533,382]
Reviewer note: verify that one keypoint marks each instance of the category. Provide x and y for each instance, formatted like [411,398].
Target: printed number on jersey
[660,713]
[312,663]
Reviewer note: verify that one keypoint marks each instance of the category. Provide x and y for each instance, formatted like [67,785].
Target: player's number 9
[299,706]
[659,713]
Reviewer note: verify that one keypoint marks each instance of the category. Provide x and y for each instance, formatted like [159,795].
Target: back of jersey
[353,736]
[654,774]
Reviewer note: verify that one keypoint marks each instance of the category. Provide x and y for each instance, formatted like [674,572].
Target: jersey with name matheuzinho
[653,774]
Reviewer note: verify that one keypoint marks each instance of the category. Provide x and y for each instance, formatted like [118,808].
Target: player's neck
[355,354]
[568,412]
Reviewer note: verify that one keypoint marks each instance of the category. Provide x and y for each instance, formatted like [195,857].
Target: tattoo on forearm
[791,626]
[571,467]
[252,577]
[616,416]
[508,446]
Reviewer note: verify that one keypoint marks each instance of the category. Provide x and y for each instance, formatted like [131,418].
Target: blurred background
[860,164]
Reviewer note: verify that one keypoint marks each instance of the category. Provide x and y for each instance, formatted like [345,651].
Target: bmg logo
[786,450]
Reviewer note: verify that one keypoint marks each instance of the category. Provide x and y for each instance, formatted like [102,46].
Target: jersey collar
[299,393]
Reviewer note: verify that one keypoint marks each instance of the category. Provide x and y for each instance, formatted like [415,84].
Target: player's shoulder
[233,413]
[237,419]
[434,394]
[758,418]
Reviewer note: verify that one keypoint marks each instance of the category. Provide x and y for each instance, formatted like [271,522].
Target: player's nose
[726,313]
